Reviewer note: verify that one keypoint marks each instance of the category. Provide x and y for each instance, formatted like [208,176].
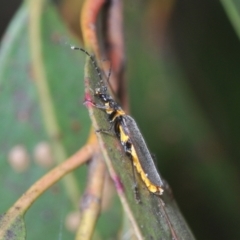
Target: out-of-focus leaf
[21,121]
[22,124]
[232,8]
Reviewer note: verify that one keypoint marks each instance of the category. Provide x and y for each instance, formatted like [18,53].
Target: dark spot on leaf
[75,126]
[57,38]
[10,235]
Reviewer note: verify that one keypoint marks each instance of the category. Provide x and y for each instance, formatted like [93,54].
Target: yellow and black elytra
[129,135]
[140,155]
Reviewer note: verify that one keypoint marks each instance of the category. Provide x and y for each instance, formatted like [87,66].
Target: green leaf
[155,217]
[22,122]
[232,8]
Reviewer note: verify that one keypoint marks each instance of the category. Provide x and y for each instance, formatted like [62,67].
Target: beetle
[128,133]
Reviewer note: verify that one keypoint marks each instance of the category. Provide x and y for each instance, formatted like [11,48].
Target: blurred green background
[182,63]
[184,93]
